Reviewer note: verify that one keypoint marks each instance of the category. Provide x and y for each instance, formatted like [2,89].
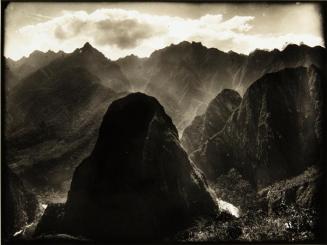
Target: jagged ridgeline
[55,101]
[108,161]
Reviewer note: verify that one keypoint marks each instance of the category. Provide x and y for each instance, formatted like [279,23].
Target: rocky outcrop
[138,184]
[21,206]
[212,121]
[275,132]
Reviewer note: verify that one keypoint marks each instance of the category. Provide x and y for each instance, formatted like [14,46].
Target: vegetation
[290,224]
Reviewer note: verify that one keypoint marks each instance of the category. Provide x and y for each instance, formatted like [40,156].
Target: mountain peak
[87,46]
[89,50]
[147,148]
[189,44]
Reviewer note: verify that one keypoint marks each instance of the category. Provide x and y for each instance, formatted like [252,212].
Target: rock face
[21,206]
[275,132]
[138,184]
[260,62]
[212,121]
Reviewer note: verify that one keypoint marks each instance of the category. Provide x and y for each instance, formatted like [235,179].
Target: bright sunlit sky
[120,29]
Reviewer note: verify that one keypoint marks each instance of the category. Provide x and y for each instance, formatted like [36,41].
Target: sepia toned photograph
[156,122]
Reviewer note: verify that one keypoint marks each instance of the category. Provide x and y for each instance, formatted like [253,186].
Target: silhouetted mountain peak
[139,106]
[35,53]
[289,48]
[137,154]
[39,54]
[182,47]
[89,50]
[191,45]
[87,46]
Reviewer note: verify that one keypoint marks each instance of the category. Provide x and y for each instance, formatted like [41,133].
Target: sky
[121,29]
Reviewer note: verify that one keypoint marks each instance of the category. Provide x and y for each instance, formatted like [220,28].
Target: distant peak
[197,44]
[192,44]
[183,43]
[131,56]
[87,46]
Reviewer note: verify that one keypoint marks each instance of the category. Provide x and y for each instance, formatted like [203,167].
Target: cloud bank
[119,32]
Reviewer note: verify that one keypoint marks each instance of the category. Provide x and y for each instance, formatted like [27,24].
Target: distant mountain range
[55,101]
[145,166]
[190,74]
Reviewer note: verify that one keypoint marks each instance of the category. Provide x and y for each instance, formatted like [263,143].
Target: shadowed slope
[138,183]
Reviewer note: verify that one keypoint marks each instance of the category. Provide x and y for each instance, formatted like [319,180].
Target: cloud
[69,30]
[119,32]
[123,33]
[124,29]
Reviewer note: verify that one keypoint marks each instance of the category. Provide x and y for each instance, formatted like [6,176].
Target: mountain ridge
[280,111]
[172,44]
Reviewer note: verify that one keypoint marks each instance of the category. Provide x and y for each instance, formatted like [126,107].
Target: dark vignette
[322,238]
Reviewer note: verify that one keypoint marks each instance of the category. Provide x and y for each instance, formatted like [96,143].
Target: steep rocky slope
[138,183]
[274,133]
[212,121]
[51,125]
